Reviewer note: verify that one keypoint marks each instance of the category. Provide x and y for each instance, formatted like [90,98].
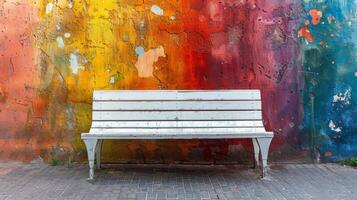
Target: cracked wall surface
[55,53]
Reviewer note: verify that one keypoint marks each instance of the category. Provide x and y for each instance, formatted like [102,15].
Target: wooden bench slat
[176,95]
[177,130]
[177,105]
[178,135]
[138,124]
[176,115]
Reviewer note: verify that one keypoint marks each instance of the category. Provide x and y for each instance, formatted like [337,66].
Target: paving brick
[161,182]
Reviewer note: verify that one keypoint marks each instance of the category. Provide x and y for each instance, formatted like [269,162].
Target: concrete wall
[53,54]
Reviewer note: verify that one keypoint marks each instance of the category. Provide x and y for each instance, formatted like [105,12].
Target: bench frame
[93,142]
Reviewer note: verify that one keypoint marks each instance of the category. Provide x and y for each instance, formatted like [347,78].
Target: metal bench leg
[91,145]
[98,153]
[256,152]
[264,144]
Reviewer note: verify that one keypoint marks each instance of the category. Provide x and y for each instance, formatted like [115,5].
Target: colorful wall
[300,53]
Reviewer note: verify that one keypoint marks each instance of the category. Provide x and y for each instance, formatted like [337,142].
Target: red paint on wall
[231,48]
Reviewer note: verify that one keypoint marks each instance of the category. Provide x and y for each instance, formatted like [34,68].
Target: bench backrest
[176,108]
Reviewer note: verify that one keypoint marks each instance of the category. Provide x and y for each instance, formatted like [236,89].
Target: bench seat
[177,114]
[177,133]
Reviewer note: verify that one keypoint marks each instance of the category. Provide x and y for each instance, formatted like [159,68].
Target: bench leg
[256,152]
[91,145]
[264,144]
[98,153]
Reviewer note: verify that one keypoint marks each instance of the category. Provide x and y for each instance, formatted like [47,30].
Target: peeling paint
[146,60]
[73,60]
[140,51]
[157,10]
[333,127]
[343,97]
[60,42]
[49,8]
[67,35]
[112,80]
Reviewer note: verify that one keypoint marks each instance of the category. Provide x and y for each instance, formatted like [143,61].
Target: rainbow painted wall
[301,54]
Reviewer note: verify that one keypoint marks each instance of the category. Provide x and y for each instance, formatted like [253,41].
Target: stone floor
[285,181]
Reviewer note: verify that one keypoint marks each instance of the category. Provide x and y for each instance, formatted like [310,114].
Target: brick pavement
[149,182]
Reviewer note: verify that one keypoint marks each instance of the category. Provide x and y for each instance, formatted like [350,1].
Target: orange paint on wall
[316,16]
[304,32]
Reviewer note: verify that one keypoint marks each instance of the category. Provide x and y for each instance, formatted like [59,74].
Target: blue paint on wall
[140,51]
[330,89]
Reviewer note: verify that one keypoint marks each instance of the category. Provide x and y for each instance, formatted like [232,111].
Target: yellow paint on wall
[90,44]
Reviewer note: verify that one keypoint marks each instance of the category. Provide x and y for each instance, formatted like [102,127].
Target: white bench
[176,114]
